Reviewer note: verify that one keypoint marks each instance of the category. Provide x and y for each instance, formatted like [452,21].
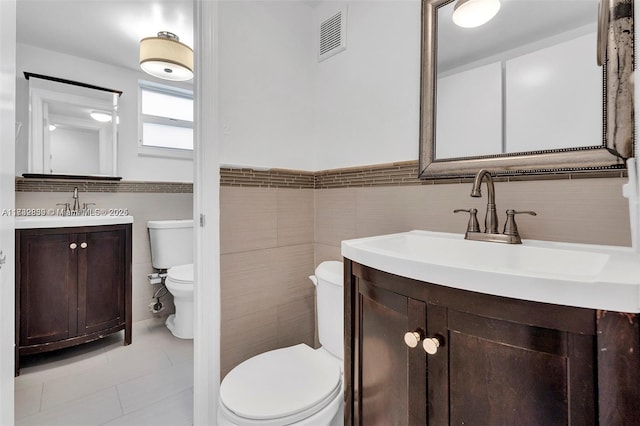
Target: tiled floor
[149,382]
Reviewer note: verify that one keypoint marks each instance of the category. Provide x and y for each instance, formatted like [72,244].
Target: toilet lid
[181,274]
[280,383]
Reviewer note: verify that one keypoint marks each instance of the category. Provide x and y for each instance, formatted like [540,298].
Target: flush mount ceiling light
[102,117]
[165,57]
[473,13]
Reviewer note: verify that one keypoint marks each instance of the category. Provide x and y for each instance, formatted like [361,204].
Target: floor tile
[147,382]
[124,364]
[27,401]
[36,369]
[176,410]
[149,389]
[94,409]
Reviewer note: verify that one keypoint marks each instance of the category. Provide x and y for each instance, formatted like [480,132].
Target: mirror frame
[38,151]
[618,113]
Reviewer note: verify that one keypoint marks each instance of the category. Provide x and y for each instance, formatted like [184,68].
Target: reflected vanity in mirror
[73,129]
[523,93]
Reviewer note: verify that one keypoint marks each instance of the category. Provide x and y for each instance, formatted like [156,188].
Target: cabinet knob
[73,246]
[431,345]
[412,338]
[83,245]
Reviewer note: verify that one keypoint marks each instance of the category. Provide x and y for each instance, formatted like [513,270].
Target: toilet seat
[280,387]
[181,274]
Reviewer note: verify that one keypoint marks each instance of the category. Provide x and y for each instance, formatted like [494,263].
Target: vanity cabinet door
[101,273]
[502,372]
[47,297]
[391,375]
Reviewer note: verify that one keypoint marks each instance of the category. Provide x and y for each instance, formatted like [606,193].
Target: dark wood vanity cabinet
[73,285]
[500,361]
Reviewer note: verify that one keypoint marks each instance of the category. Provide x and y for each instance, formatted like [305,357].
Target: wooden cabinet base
[61,344]
[73,286]
[497,360]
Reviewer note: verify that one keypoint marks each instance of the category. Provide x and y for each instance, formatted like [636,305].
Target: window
[166,121]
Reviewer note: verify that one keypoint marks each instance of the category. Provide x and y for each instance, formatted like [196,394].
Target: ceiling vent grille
[333,35]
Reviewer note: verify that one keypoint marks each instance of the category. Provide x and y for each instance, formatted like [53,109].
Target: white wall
[69,144]
[472,97]
[564,73]
[7,201]
[367,98]
[280,108]
[131,166]
[266,71]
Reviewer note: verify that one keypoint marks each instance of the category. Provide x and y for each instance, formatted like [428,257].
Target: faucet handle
[473,225]
[85,205]
[67,207]
[510,227]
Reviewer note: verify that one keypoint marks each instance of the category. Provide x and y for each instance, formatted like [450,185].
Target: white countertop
[581,275]
[30,222]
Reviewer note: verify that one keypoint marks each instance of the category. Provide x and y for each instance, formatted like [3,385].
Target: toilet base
[176,330]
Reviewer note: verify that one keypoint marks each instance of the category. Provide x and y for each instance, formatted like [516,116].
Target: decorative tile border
[406,173]
[61,185]
[273,178]
[393,174]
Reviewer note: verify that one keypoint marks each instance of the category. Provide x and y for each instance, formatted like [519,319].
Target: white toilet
[295,385]
[172,250]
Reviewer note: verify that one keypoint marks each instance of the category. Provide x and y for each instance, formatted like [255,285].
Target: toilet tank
[171,242]
[330,305]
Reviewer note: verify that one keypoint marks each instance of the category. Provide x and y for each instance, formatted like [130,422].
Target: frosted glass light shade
[473,13]
[102,117]
[165,57]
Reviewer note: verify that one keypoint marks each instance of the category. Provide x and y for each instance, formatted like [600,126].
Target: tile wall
[274,232]
[275,228]
[267,255]
[589,211]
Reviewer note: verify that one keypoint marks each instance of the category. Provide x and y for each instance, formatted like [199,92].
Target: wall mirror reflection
[520,93]
[73,128]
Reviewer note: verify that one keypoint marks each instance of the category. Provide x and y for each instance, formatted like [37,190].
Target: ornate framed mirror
[523,93]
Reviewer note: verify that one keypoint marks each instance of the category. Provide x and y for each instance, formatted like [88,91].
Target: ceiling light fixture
[102,117]
[165,57]
[473,13]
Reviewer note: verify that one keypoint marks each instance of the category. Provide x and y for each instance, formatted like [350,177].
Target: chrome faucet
[76,201]
[491,217]
[510,234]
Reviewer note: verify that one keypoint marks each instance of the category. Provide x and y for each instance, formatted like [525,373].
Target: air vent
[333,35]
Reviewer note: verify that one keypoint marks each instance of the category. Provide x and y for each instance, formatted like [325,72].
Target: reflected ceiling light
[52,127]
[165,57]
[102,117]
[473,13]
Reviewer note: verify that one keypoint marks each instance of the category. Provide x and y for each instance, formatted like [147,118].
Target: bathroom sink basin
[30,222]
[523,259]
[583,275]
